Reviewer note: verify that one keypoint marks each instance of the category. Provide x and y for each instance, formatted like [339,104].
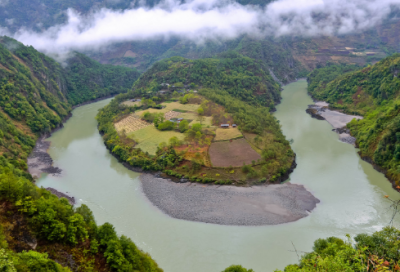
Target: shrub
[166,125]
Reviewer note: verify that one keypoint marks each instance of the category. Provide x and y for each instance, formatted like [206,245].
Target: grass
[178,110]
[149,138]
[206,122]
[130,103]
[172,106]
[224,134]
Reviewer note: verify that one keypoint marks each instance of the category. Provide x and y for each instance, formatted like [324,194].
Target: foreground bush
[377,252]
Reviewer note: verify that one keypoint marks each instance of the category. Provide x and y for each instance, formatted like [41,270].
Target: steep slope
[36,227]
[89,80]
[374,93]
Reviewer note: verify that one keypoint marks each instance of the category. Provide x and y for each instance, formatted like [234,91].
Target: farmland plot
[130,124]
[235,153]
[224,134]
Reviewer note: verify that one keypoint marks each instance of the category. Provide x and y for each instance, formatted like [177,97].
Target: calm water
[350,190]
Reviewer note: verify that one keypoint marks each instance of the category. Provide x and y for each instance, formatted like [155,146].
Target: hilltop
[201,120]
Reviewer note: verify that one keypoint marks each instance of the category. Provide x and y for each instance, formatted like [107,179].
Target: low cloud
[201,20]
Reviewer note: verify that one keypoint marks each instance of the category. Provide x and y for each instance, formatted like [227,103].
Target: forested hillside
[372,92]
[240,76]
[36,94]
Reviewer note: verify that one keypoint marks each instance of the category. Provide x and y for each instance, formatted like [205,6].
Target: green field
[149,138]
[207,121]
[224,134]
[171,106]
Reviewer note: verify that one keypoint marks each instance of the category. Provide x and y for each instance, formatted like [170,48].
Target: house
[224,125]
[234,125]
[180,119]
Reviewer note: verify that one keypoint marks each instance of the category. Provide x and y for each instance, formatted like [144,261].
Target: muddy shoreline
[229,205]
[338,120]
[39,161]
[70,199]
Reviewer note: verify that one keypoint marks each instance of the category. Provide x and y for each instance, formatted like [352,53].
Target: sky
[203,20]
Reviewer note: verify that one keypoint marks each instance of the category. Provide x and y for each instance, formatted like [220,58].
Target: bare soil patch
[232,153]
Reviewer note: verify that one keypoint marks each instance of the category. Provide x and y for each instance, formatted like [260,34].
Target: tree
[167,125]
[183,126]
[158,119]
[237,268]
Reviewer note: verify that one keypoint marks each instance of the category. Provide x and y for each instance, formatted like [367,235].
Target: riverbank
[229,205]
[39,161]
[338,120]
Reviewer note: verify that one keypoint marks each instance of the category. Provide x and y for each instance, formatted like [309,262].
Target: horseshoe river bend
[350,193]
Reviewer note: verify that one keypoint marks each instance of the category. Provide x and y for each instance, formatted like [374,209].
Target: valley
[325,167]
[199,135]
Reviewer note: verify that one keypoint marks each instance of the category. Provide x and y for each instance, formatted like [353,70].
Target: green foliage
[376,252]
[240,76]
[237,268]
[55,220]
[89,80]
[183,126]
[166,125]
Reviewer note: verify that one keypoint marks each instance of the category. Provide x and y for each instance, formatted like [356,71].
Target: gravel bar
[229,205]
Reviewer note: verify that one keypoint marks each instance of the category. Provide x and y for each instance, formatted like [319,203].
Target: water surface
[350,190]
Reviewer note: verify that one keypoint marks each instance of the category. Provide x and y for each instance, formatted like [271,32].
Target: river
[350,190]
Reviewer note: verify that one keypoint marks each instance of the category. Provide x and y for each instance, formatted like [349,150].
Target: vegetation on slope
[240,76]
[372,92]
[89,80]
[35,226]
[234,83]
[33,218]
[376,252]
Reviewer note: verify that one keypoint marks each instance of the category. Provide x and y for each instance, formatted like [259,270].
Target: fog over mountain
[201,20]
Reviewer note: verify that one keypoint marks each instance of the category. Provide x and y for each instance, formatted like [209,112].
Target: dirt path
[229,205]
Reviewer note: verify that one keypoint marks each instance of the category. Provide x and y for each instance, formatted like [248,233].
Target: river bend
[350,190]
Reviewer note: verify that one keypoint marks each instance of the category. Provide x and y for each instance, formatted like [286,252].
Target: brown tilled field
[232,153]
[130,124]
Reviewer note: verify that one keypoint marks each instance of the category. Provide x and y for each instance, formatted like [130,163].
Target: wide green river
[350,190]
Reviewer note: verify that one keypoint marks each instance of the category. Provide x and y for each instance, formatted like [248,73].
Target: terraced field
[130,124]
[170,107]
